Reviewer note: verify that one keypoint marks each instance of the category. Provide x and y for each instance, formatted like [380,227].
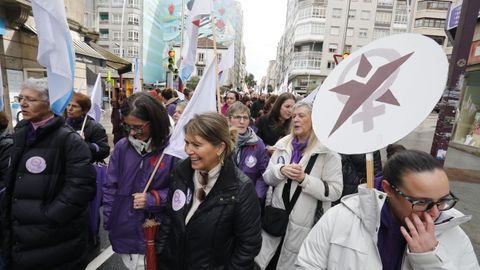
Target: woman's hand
[139,200]
[294,172]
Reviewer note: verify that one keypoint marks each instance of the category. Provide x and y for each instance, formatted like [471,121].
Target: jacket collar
[368,203]
[225,180]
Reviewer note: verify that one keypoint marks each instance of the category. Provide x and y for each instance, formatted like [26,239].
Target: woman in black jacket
[93,133]
[213,219]
[276,124]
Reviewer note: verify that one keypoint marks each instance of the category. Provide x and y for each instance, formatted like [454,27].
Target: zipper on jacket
[141,164]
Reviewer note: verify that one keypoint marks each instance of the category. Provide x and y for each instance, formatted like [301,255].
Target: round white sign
[380,93]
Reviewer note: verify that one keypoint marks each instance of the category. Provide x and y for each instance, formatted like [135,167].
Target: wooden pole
[83,126]
[216,65]
[153,173]
[370,173]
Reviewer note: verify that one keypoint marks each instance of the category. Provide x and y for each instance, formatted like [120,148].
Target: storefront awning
[113,61]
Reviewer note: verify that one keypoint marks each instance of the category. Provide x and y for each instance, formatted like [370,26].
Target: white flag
[228,60]
[189,52]
[203,100]
[96,98]
[284,86]
[137,87]
[55,51]
[1,90]
[311,97]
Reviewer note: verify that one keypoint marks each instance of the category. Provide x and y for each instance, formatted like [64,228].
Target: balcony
[306,62]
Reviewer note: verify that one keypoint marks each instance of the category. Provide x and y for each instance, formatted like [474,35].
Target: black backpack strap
[289,204]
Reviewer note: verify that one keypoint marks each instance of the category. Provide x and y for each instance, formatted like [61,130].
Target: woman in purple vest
[130,166]
[250,154]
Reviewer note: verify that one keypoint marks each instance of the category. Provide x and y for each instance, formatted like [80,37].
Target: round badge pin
[36,164]
[178,200]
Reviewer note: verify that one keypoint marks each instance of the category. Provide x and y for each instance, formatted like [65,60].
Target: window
[335,30]
[318,12]
[337,13]
[103,17]
[133,3]
[363,33]
[116,18]
[116,51]
[439,39]
[104,34]
[102,2]
[436,5]
[430,22]
[132,51]
[350,32]
[332,47]
[318,28]
[365,15]
[200,57]
[351,14]
[383,18]
[400,13]
[200,71]
[117,3]
[398,31]
[133,35]
[133,19]
[219,57]
[348,48]
[117,35]
[379,33]
[331,65]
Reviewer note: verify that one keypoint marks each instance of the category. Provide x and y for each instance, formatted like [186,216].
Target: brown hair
[238,107]
[213,127]
[3,120]
[82,100]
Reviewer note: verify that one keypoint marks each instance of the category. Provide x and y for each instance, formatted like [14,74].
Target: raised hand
[420,236]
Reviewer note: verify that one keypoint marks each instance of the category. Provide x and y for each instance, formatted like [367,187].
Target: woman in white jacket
[318,188]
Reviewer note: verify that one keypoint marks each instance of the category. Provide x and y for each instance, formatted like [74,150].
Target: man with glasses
[50,182]
[413,225]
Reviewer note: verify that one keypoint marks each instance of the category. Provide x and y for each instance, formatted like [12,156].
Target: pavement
[462,168]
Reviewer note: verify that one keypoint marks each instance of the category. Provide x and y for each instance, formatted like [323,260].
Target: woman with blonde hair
[307,177]
[213,214]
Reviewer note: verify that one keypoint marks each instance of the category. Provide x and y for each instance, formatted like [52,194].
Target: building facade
[317,30]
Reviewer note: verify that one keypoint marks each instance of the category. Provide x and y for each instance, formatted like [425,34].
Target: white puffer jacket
[326,172]
[346,238]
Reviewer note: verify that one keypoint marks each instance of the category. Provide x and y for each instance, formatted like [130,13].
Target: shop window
[467,130]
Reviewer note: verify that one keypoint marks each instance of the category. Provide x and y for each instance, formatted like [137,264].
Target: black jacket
[6,143]
[50,182]
[95,138]
[223,233]
[268,133]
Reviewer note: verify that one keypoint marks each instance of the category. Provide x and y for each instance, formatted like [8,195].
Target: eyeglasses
[28,100]
[240,117]
[423,205]
[137,128]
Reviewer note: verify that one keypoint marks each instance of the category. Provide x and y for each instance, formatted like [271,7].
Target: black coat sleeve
[247,228]
[98,142]
[79,185]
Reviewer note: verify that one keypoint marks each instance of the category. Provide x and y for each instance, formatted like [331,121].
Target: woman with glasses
[413,225]
[302,168]
[250,154]
[130,166]
[213,215]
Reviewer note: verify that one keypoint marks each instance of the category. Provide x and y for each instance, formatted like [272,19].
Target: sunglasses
[423,205]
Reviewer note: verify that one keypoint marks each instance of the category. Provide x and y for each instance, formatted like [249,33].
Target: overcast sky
[264,22]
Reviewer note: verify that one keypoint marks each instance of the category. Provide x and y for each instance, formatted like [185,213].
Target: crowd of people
[258,190]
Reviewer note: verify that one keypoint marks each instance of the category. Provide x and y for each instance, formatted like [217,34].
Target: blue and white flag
[137,86]
[96,98]
[1,90]
[55,51]
[203,100]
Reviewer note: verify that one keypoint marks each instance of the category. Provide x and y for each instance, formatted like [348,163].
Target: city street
[420,139]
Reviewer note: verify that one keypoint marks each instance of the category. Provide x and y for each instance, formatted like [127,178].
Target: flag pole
[370,172]
[216,64]
[83,126]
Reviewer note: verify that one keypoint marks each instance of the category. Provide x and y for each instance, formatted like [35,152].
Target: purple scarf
[297,150]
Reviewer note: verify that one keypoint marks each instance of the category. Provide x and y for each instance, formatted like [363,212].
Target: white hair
[39,85]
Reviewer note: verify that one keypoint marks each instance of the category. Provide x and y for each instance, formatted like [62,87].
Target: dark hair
[167,94]
[277,106]
[245,99]
[408,161]
[147,108]
[237,95]
[393,149]
[82,100]
[3,120]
